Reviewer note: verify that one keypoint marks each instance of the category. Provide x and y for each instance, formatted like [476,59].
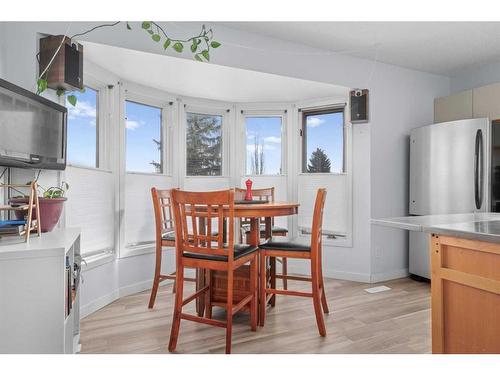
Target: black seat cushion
[274,229]
[168,236]
[285,246]
[239,251]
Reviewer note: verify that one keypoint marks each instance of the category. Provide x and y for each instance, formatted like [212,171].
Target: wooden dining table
[253,212]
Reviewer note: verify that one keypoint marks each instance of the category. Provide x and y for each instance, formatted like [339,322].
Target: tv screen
[32,130]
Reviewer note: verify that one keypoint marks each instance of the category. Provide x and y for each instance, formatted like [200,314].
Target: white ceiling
[434,47]
[200,80]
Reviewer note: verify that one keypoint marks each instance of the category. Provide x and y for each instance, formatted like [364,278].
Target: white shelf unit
[32,294]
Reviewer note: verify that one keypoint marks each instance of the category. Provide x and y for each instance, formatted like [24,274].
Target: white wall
[400,99]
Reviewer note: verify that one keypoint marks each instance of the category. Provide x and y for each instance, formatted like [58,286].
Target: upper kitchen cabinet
[486,101]
[453,107]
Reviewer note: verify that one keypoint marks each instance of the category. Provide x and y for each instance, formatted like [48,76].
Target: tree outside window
[203,145]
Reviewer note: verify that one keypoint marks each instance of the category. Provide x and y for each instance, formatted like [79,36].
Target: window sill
[89,168]
[263,175]
[323,174]
[138,250]
[148,174]
[95,261]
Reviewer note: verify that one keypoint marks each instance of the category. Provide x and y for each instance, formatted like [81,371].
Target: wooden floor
[395,321]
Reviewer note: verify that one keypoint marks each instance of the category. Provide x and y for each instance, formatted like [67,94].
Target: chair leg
[317,298]
[156,280]
[254,275]
[263,285]
[229,310]
[272,260]
[208,296]
[284,269]
[176,321]
[324,304]
[174,287]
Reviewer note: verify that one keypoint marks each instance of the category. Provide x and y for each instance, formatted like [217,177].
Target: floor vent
[377,289]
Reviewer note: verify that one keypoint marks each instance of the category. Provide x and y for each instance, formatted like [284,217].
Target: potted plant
[51,203]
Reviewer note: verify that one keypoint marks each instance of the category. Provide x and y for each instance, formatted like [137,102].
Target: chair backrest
[194,214]
[266,194]
[317,224]
[162,205]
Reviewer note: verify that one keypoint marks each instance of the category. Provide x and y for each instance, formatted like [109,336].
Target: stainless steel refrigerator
[451,166]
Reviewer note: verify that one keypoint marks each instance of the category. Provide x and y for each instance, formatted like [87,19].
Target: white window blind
[90,206]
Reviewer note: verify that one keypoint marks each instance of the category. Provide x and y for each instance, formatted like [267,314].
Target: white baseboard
[385,276]
[335,274]
[98,303]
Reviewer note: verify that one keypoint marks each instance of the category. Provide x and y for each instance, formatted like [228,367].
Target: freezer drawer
[419,260]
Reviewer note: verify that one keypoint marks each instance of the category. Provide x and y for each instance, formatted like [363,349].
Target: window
[263,145]
[144,144]
[323,141]
[83,129]
[203,145]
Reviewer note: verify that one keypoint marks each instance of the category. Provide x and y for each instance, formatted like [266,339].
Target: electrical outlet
[378,252]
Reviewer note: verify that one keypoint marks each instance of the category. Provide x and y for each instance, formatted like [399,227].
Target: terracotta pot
[50,211]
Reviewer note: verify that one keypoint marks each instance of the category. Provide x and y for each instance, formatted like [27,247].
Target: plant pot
[50,211]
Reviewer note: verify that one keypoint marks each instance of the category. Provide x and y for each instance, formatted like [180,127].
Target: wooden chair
[265,194]
[165,237]
[198,247]
[299,251]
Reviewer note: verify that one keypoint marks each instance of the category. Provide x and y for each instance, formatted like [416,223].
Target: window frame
[281,114]
[165,129]
[305,112]
[210,111]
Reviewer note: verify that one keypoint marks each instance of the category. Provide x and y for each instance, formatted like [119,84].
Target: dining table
[253,212]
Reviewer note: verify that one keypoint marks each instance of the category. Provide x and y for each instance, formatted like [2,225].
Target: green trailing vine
[199,45]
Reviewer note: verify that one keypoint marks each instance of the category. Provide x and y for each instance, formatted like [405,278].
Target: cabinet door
[486,102]
[453,107]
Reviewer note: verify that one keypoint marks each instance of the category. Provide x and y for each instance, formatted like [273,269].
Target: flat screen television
[32,130]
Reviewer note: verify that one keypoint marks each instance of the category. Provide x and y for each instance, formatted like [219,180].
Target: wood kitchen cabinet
[453,107]
[486,101]
[465,295]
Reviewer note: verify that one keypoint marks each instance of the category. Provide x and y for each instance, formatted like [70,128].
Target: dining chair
[198,247]
[299,251]
[165,237]
[265,194]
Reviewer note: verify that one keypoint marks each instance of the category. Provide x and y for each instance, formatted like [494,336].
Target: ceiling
[194,79]
[434,47]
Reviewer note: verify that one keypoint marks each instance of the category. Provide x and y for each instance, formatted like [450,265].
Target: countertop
[54,243]
[482,226]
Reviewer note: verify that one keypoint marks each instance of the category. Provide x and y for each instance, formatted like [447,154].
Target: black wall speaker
[359,106]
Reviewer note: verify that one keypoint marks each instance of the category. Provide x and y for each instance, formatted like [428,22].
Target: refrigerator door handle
[478,169]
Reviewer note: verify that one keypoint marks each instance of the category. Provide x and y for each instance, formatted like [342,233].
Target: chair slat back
[162,205]
[265,194]
[194,214]
[317,224]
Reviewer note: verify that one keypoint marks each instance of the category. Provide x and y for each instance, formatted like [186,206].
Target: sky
[82,130]
[326,132]
[143,124]
[267,130]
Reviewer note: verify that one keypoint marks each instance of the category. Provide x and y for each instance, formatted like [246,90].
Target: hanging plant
[199,45]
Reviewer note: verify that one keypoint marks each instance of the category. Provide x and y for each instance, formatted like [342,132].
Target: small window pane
[203,145]
[143,138]
[82,129]
[263,145]
[323,142]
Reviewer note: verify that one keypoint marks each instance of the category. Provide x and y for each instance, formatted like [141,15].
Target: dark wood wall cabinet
[66,70]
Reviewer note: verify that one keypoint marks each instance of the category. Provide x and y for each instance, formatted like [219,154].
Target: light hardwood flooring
[394,321]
